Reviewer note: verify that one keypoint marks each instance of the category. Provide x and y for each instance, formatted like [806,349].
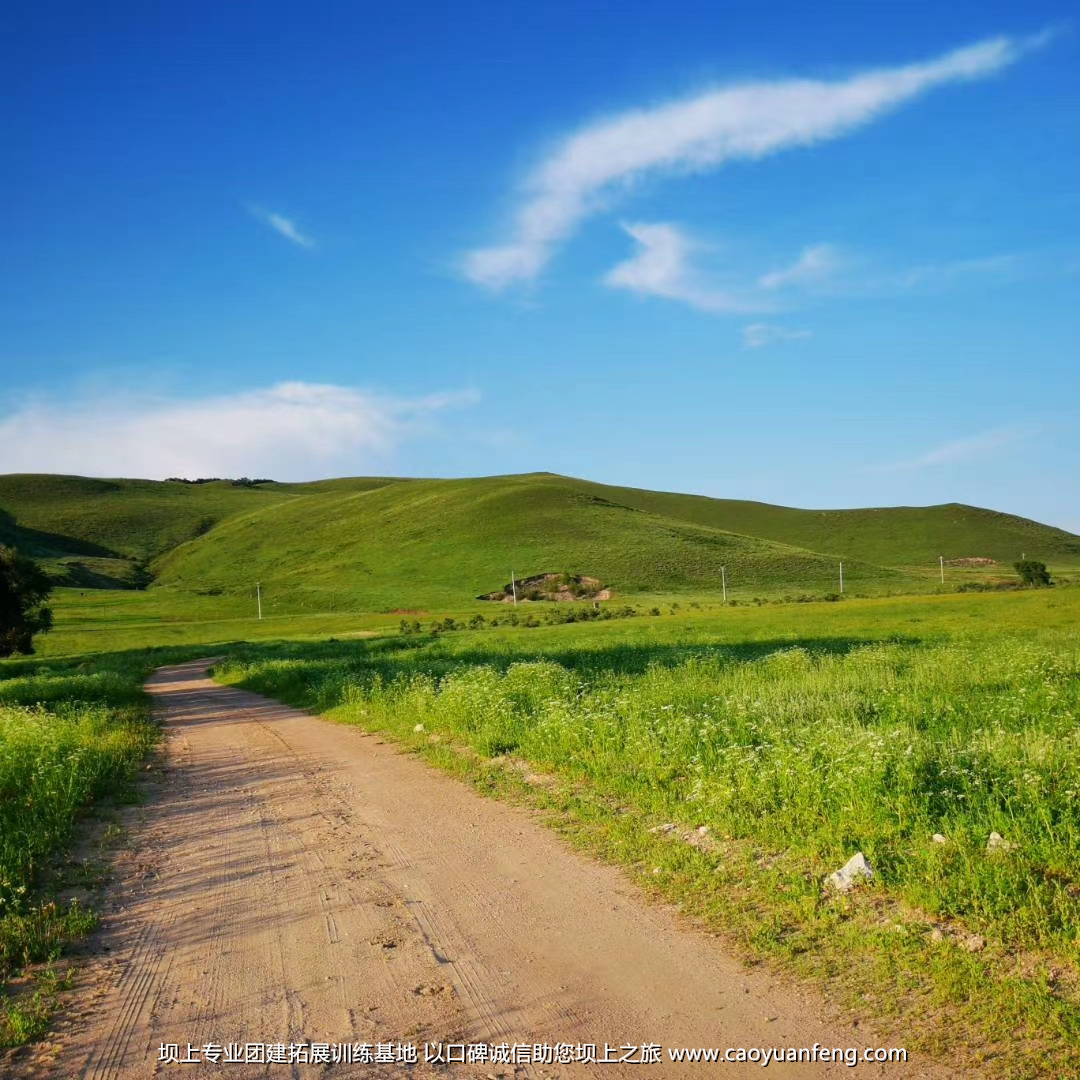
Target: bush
[24,588]
[1033,572]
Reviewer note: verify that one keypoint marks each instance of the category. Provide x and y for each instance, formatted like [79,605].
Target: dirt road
[296,881]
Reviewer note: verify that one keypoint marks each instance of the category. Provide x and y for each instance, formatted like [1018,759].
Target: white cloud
[954,272]
[973,448]
[757,335]
[747,121]
[662,268]
[814,264]
[284,226]
[291,431]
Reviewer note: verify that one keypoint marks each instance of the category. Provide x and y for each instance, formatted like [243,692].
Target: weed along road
[300,889]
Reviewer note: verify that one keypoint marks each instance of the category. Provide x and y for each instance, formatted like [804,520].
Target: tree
[24,588]
[1032,572]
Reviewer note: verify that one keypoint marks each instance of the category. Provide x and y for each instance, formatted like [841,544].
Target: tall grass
[70,734]
[53,763]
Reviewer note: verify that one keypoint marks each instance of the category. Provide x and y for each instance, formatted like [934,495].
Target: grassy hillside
[903,536]
[442,542]
[102,532]
[380,543]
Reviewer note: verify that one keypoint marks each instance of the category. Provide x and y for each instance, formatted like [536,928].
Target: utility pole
[513,585]
[258,596]
[941,559]
[723,581]
[841,579]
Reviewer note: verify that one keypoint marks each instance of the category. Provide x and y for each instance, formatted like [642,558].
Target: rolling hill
[104,533]
[382,543]
[439,542]
[900,536]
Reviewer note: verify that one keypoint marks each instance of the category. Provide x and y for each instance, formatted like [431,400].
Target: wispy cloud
[814,264]
[662,267]
[283,226]
[291,431]
[972,448]
[700,133]
[758,335]
[950,273]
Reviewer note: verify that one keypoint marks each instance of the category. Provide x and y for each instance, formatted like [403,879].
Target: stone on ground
[849,875]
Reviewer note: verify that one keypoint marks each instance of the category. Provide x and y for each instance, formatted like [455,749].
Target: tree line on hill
[242,481]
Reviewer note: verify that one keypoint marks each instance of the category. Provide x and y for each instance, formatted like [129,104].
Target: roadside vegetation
[733,763]
[72,734]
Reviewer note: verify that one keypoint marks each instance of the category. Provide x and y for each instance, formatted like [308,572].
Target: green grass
[440,544]
[898,536]
[797,735]
[72,733]
[27,1016]
[369,544]
[99,621]
[99,533]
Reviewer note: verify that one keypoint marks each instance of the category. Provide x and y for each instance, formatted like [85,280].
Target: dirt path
[294,880]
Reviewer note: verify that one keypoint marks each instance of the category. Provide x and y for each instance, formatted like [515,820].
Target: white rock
[418,728]
[940,839]
[851,873]
[997,842]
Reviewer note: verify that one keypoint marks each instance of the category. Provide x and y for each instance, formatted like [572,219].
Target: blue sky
[823,255]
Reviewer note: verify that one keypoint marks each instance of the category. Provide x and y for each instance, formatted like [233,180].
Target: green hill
[104,532]
[382,543]
[442,542]
[901,536]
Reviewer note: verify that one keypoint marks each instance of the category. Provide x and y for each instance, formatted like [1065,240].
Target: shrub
[1033,572]
[24,588]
